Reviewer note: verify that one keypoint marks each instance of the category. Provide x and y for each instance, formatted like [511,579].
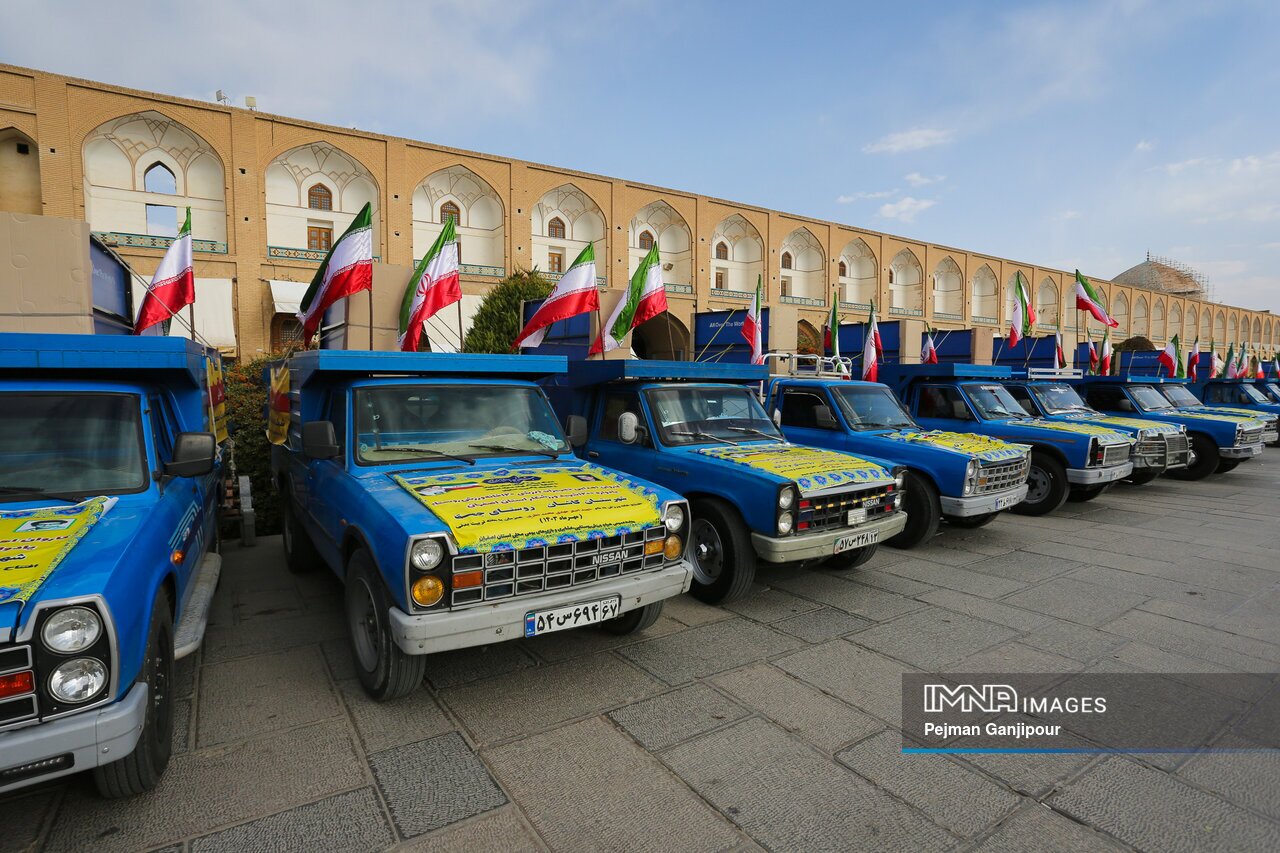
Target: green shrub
[246,399]
[499,319]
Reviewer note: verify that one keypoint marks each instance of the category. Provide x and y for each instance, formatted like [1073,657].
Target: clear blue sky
[1067,134]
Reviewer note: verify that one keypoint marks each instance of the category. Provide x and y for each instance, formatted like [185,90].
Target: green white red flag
[872,349]
[433,285]
[1087,299]
[646,298]
[173,287]
[1230,370]
[575,293]
[347,269]
[1215,363]
[1104,360]
[1193,361]
[929,352]
[1093,357]
[1171,358]
[1059,357]
[1024,313]
[831,334]
[752,326]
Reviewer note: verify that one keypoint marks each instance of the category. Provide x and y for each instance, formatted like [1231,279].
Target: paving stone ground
[771,723]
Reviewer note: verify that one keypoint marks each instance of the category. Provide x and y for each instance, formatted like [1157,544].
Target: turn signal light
[466,580]
[653,546]
[672,548]
[427,590]
[177,557]
[16,683]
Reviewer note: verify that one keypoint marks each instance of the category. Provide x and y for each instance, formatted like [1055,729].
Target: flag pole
[460,338]
[370,291]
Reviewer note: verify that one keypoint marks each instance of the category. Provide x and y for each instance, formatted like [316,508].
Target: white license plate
[538,622]
[857,540]
[1007,501]
[856,516]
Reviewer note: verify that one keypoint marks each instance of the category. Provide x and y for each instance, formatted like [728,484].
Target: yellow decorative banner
[986,449]
[1240,413]
[217,398]
[34,541]
[811,469]
[1227,415]
[512,508]
[1078,427]
[278,406]
[1128,423]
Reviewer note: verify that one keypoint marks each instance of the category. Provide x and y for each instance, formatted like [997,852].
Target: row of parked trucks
[469,499]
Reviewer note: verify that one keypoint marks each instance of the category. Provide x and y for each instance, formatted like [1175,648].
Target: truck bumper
[1095,476]
[427,633]
[71,744]
[982,504]
[809,546]
[1247,451]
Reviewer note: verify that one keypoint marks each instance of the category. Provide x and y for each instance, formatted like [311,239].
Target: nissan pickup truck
[699,429]
[1219,440]
[440,489]
[1158,447]
[1068,460]
[109,494]
[962,478]
[1235,396]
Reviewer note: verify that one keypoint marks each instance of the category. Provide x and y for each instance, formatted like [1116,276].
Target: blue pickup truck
[1237,396]
[1219,440]
[699,428]
[443,493]
[109,496]
[1076,460]
[964,478]
[1159,447]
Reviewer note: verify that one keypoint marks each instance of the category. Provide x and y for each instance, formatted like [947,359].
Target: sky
[1069,135]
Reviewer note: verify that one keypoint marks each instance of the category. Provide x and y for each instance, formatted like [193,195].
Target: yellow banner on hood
[34,541]
[1079,427]
[811,469]
[1129,423]
[512,508]
[984,448]
[278,406]
[1226,415]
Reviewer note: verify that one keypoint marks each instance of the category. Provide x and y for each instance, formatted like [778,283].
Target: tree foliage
[499,319]
[1135,344]
[246,413]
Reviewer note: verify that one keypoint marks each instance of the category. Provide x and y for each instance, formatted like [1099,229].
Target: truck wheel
[1141,478]
[924,512]
[1225,465]
[300,553]
[1047,486]
[385,671]
[851,559]
[634,620]
[140,770]
[1205,461]
[971,522]
[724,563]
[1084,494]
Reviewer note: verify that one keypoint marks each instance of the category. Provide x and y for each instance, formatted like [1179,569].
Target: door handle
[593,454]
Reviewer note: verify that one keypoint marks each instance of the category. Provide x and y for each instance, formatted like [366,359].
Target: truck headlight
[785,522]
[427,590]
[673,519]
[899,478]
[426,554]
[78,680]
[786,498]
[71,629]
[971,477]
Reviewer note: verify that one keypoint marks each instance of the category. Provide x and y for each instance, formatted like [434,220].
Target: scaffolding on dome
[1200,279]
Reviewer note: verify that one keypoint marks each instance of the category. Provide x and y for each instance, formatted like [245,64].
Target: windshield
[1180,396]
[872,407]
[1274,390]
[1149,399]
[1254,394]
[401,423]
[70,444]
[995,401]
[1059,399]
[709,415]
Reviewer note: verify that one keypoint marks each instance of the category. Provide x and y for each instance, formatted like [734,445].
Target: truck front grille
[20,708]
[1178,448]
[1270,432]
[1001,476]
[1115,454]
[1153,450]
[547,568]
[831,511]
[1250,436]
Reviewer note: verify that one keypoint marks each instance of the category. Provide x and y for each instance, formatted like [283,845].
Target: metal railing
[151,241]
[906,312]
[482,269]
[601,281]
[801,300]
[678,288]
[732,294]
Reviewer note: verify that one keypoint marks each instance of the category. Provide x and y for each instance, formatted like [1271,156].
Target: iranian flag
[1104,364]
[831,334]
[173,287]
[1024,313]
[1215,363]
[433,285]
[1087,299]
[1093,357]
[1170,358]
[1229,371]
[575,293]
[752,326]
[646,298]
[1059,357]
[1193,361]
[929,352]
[872,349]
[347,269]
[1275,365]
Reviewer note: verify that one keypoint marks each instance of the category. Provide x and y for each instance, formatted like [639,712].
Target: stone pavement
[769,723]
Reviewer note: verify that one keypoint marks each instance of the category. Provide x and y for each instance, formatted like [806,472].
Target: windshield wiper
[701,434]
[758,432]
[467,459]
[37,492]
[550,454]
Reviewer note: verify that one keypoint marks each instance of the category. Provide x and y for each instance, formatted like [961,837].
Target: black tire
[300,553]
[851,559]
[1142,477]
[1206,459]
[140,770]
[971,522]
[724,563]
[384,670]
[1225,465]
[924,512]
[1047,486]
[634,620]
[1084,494]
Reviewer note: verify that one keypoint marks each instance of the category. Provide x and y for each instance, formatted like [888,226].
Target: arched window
[159,179]
[319,197]
[891,275]
[448,211]
[646,240]
[786,260]
[555,228]
[722,251]
[844,270]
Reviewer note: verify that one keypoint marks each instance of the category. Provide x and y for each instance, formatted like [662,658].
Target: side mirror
[576,427]
[824,419]
[319,440]
[777,417]
[1125,405]
[628,428]
[193,455]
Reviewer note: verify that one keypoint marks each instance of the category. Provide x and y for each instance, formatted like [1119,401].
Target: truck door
[607,449]
[942,407]
[181,514]
[323,477]
[1023,395]
[807,417]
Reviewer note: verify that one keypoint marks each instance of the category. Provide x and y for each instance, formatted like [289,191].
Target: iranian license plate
[1007,501]
[856,516]
[857,540]
[538,622]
